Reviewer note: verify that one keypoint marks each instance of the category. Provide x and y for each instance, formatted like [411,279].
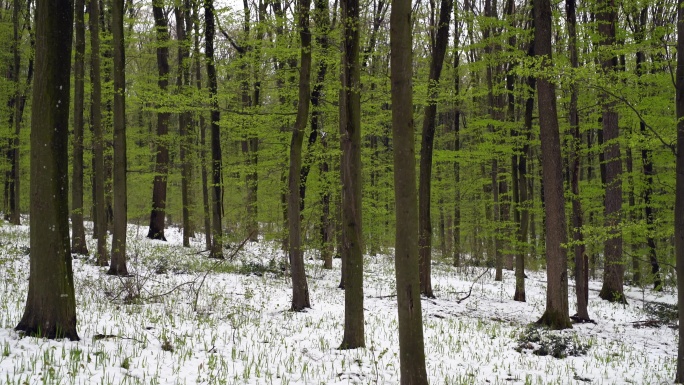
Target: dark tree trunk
[78,237]
[120,201]
[183,25]
[216,156]
[457,147]
[16,115]
[679,192]
[406,259]
[161,169]
[556,314]
[50,310]
[647,164]
[98,136]
[581,260]
[322,19]
[438,45]
[300,289]
[206,204]
[352,231]
[613,272]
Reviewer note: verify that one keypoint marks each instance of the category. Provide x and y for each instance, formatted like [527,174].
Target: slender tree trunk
[78,239]
[613,272]
[98,136]
[556,314]
[581,260]
[647,164]
[161,169]
[439,43]
[120,201]
[206,204]
[183,25]
[50,310]
[216,156]
[17,114]
[300,289]
[679,192]
[457,145]
[352,233]
[406,259]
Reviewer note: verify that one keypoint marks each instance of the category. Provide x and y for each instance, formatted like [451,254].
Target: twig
[459,300]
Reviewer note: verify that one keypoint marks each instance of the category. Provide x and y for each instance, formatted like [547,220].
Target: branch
[641,118]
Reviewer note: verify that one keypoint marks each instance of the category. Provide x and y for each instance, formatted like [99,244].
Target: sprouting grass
[184,319]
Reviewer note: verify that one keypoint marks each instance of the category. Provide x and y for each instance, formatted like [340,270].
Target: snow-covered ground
[201,321]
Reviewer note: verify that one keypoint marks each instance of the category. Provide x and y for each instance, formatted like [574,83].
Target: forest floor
[184,319]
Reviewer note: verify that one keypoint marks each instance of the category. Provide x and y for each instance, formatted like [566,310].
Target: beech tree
[556,314]
[679,189]
[406,259]
[50,310]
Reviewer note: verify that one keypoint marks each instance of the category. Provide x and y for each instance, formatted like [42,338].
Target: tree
[216,157]
[679,189]
[406,259]
[100,222]
[439,39]
[352,233]
[556,314]
[300,288]
[78,239]
[581,260]
[612,289]
[158,215]
[51,304]
[120,201]
[183,26]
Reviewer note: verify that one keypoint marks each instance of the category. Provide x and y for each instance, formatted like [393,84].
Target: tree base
[610,295]
[519,296]
[554,320]
[53,331]
[578,319]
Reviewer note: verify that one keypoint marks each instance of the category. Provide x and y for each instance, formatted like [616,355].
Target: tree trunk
[556,314]
[120,201]
[647,165]
[300,289]
[161,169]
[216,156]
[98,136]
[439,43]
[612,289]
[78,237]
[183,25]
[206,204]
[352,233]
[457,147]
[16,118]
[581,260]
[679,191]
[406,259]
[50,310]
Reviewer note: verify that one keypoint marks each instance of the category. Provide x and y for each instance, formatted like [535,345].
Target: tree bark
[679,189]
[581,259]
[78,239]
[100,221]
[406,259]
[556,315]
[438,45]
[51,304]
[300,289]
[120,201]
[352,233]
[612,289]
[161,169]
[183,25]
[216,156]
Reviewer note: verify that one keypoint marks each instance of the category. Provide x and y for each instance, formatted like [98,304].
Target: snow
[242,332]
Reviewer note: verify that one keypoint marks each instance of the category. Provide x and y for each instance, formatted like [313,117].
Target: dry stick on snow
[459,300]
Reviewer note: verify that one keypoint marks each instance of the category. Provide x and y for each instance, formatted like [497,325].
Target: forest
[187,165]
